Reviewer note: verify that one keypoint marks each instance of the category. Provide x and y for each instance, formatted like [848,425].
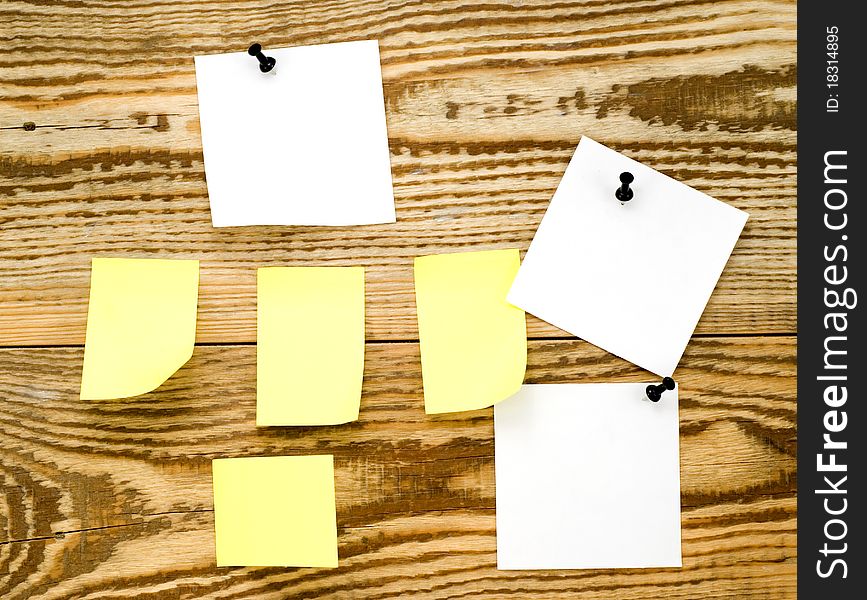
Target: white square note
[632,279]
[305,144]
[588,477]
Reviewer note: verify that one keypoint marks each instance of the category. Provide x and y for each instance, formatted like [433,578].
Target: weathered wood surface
[113,499]
[100,155]
[485,102]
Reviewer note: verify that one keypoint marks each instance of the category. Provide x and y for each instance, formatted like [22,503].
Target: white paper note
[305,144]
[588,477]
[632,279]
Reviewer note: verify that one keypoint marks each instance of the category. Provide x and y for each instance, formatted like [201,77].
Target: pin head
[624,193]
[266,63]
[654,392]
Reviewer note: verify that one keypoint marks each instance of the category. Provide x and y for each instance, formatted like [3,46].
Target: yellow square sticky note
[473,342]
[141,324]
[275,511]
[310,336]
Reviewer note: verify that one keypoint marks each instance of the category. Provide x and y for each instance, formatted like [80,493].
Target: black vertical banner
[832,361]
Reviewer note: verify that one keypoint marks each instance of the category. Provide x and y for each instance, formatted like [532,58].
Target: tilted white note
[588,477]
[305,144]
[632,279]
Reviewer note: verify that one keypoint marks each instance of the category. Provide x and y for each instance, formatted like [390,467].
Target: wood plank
[113,499]
[485,103]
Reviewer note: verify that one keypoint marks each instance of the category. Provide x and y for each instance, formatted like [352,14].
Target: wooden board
[100,155]
[485,103]
[113,499]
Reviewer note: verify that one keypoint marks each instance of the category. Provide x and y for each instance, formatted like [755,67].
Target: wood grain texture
[100,155]
[485,104]
[113,499]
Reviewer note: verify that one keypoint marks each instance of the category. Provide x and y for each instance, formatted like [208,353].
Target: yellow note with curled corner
[473,342]
[141,325]
[310,338]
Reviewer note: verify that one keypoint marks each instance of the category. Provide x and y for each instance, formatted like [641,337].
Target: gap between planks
[769,334]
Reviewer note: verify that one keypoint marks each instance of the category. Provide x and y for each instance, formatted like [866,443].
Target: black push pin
[623,193]
[654,392]
[266,63]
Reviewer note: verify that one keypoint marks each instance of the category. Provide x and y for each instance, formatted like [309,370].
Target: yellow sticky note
[473,342]
[141,324]
[275,511]
[310,337]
